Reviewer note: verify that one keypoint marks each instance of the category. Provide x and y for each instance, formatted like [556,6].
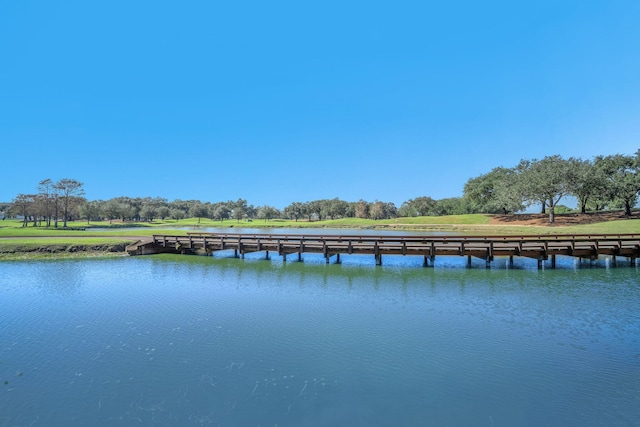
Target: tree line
[54,201]
[48,208]
[605,182]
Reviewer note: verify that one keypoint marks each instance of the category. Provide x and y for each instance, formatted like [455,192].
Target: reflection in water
[176,340]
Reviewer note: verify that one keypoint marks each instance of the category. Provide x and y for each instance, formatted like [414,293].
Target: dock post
[539,263]
[613,261]
[300,256]
[553,261]
[488,262]
[326,258]
[235,253]
[338,259]
[267,257]
[468,260]
[284,257]
[632,261]
[429,261]
[510,260]
[378,259]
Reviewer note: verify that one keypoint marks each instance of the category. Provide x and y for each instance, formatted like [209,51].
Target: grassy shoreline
[59,248]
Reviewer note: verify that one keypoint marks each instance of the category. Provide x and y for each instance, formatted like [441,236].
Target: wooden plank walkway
[539,247]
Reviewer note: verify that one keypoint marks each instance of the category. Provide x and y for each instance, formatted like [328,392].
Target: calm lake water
[203,341]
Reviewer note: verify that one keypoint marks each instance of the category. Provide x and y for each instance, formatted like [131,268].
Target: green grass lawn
[471,224]
[25,243]
[623,226]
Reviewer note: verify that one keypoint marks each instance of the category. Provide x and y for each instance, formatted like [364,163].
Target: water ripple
[223,342]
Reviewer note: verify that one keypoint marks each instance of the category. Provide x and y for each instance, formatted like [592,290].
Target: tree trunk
[627,208]
[552,214]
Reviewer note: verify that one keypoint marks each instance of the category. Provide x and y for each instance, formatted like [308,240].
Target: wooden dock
[539,247]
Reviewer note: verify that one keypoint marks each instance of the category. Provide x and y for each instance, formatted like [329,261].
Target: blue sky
[285,101]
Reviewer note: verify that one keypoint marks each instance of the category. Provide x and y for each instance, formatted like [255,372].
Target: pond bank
[60,250]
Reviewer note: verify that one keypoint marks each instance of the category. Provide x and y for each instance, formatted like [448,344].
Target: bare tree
[362,209]
[69,190]
[49,196]
[21,206]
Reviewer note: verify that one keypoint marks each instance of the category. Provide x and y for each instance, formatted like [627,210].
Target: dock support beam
[540,260]
[468,260]
[553,261]
[632,261]
[376,252]
[338,259]
[300,256]
[429,261]
[510,260]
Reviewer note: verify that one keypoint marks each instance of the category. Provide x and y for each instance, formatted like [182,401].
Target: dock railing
[540,247]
